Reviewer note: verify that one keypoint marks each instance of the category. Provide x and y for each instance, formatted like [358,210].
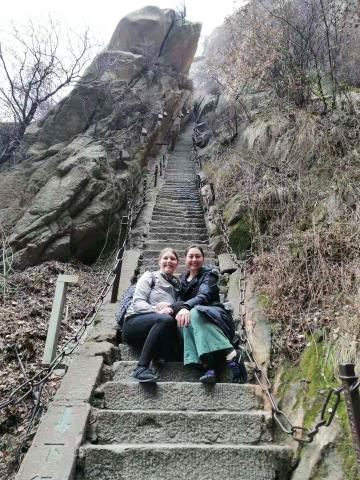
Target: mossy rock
[315,372]
[234,210]
[240,236]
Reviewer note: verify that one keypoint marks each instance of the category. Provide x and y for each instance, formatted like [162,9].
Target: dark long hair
[195,246]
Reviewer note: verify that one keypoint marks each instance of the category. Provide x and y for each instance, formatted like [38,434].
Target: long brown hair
[168,249]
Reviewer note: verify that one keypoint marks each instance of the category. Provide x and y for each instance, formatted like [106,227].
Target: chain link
[327,413]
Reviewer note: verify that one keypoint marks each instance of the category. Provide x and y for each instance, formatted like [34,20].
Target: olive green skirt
[201,337]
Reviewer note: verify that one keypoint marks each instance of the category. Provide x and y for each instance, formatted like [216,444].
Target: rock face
[180,46]
[88,153]
[143,31]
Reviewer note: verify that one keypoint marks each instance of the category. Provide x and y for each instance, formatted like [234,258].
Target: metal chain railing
[333,397]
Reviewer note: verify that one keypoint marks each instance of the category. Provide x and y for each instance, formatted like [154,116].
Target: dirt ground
[25,305]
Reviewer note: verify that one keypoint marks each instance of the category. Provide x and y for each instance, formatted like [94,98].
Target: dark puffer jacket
[202,293]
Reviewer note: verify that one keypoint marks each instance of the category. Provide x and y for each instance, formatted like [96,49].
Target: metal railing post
[156,175]
[117,271]
[352,400]
[144,190]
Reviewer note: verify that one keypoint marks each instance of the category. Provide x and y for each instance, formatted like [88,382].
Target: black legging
[155,331]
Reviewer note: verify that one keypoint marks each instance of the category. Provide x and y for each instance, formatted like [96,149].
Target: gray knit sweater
[145,298]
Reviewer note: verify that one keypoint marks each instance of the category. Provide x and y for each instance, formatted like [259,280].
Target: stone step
[180,180]
[166,236]
[159,426]
[160,228]
[178,209]
[180,396]
[168,223]
[179,218]
[184,462]
[168,372]
[179,246]
[179,202]
[181,187]
[153,253]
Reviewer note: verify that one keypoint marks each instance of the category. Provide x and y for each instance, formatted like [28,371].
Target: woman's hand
[161,305]
[166,310]
[183,317]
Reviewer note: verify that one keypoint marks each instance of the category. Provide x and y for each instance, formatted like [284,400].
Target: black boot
[237,369]
[144,374]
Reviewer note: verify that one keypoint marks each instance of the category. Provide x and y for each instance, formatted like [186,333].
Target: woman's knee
[195,316]
[166,319]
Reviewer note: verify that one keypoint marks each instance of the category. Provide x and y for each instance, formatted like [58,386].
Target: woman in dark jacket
[206,326]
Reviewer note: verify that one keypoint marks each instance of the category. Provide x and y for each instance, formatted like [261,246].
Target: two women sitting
[162,305]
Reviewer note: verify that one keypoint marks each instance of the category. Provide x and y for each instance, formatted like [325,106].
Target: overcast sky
[101,17]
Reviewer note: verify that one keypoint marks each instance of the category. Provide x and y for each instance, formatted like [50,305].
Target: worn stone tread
[169,371]
[153,426]
[181,396]
[185,461]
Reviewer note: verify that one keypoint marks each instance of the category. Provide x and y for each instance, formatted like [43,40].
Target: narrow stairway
[178,428]
[178,217]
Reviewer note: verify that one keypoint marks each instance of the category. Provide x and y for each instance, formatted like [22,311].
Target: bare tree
[40,62]
[289,48]
[181,12]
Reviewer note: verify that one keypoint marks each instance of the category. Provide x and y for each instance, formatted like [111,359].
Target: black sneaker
[237,369]
[144,374]
[209,377]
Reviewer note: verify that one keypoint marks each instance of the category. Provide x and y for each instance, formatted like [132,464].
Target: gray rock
[322,454]
[256,324]
[143,31]
[88,152]
[234,210]
[112,65]
[180,46]
[226,263]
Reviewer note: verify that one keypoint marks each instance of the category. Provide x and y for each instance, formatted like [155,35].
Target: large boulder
[180,46]
[88,154]
[143,32]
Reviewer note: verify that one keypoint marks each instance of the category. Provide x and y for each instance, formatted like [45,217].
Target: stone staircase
[178,217]
[178,428]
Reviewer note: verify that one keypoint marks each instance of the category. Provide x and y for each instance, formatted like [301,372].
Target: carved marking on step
[64,422]
[41,478]
[55,452]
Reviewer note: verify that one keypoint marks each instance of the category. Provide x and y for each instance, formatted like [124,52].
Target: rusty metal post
[198,181]
[117,271]
[144,190]
[156,175]
[352,399]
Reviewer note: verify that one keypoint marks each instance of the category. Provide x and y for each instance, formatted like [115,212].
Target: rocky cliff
[286,180]
[89,152]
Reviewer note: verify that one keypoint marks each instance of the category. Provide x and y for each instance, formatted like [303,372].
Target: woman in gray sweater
[145,325]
